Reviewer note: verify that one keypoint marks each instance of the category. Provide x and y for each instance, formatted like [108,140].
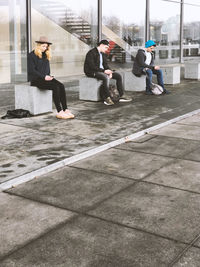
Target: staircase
[69,20]
[65,18]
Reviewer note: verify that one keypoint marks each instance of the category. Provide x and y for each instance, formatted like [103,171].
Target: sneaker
[148,92]
[166,92]
[125,98]
[63,115]
[68,112]
[108,101]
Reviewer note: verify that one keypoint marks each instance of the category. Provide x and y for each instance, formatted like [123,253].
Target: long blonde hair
[38,51]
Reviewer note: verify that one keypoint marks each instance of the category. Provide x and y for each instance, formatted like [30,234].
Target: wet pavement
[135,204]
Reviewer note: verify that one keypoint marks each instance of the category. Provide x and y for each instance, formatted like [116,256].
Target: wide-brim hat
[43,40]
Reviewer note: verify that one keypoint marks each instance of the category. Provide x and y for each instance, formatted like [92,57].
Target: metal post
[147,21]
[181,30]
[99,20]
[28,26]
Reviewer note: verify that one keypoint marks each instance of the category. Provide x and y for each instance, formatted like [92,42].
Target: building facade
[75,26]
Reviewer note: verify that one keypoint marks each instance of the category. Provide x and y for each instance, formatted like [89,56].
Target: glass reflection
[124,27]
[165,30]
[13,63]
[72,28]
[191,30]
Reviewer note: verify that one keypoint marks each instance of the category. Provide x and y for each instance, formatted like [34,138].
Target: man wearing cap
[144,65]
[96,66]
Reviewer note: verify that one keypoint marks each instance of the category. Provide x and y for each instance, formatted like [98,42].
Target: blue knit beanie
[150,43]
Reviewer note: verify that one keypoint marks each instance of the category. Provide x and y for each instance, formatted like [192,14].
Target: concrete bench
[192,70]
[133,83]
[89,89]
[171,73]
[33,99]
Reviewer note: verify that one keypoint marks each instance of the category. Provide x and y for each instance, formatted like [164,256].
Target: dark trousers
[159,75]
[59,95]
[105,86]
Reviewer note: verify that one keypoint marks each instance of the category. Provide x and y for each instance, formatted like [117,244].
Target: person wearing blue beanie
[150,43]
[144,65]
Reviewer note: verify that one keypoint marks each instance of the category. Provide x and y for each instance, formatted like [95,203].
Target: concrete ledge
[171,73]
[89,89]
[192,70]
[33,99]
[133,83]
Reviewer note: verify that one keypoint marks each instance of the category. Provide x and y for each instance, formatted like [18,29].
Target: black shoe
[125,98]
[148,92]
[166,92]
[108,101]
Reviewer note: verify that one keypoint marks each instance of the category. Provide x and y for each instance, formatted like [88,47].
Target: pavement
[115,187]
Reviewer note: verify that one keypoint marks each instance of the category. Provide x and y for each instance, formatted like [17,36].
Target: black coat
[37,67]
[92,62]
[139,63]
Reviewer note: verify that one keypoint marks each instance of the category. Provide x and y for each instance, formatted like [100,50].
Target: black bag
[17,113]
[114,94]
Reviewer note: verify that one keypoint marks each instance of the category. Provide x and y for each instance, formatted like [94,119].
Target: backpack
[16,113]
[156,89]
[114,94]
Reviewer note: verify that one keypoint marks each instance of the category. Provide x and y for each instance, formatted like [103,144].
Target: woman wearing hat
[39,75]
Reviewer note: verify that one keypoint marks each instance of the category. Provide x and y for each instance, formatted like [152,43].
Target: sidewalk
[32,143]
[136,204]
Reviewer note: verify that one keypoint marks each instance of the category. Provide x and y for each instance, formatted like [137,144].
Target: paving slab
[7,130]
[164,211]
[162,145]
[71,188]
[51,124]
[133,165]
[193,120]
[190,259]
[194,155]
[181,131]
[32,149]
[91,242]
[23,220]
[183,174]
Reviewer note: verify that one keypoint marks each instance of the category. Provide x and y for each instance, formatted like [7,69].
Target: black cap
[105,42]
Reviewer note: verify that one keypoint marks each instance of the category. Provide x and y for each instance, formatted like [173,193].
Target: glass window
[165,29]
[71,25]
[13,63]
[124,26]
[191,30]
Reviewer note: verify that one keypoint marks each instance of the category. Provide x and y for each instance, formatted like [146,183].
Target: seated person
[144,65]
[96,66]
[39,76]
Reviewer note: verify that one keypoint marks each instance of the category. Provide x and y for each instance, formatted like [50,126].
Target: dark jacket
[92,62]
[139,63]
[37,67]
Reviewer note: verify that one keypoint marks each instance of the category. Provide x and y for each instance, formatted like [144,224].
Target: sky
[133,10]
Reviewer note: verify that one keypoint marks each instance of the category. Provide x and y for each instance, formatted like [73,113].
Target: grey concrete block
[171,73]
[133,83]
[192,70]
[33,99]
[89,89]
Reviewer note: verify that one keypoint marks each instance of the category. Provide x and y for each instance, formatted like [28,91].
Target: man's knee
[149,72]
[102,76]
[117,76]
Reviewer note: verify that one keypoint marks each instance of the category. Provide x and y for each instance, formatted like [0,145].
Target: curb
[30,176]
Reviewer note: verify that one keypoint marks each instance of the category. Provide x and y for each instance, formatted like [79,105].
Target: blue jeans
[159,75]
